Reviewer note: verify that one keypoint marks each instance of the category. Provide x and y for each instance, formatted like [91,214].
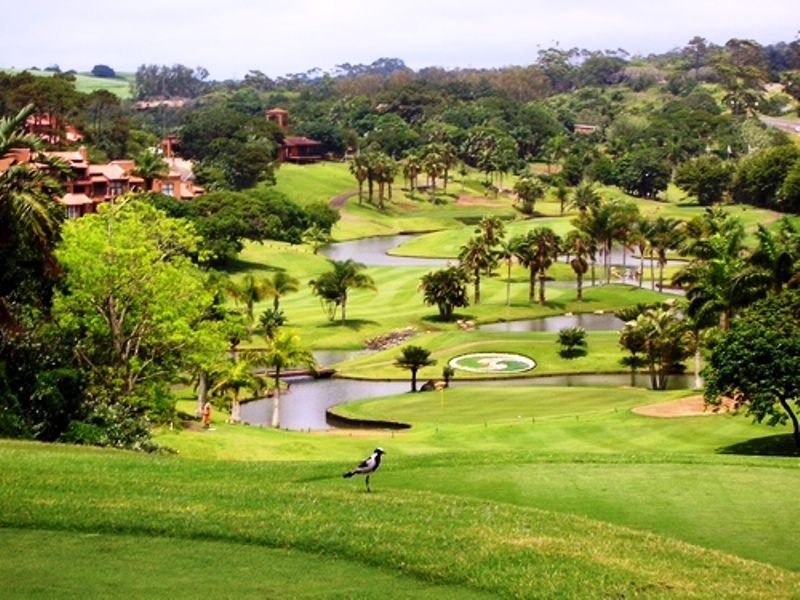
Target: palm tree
[449,159]
[29,214]
[414,358]
[149,165]
[664,341]
[773,263]
[584,197]
[529,189]
[475,256]
[522,249]
[492,230]
[271,320]
[631,338]
[596,224]
[578,245]
[665,234]
[505,252]
[446,289]
[433,165]
[249,292]
[555,148]
[411,169]
[360,170]
[284,350]
[545,245]
[333,286]
[715,288]
[279,285]
[562,193]
[640,234]
[316,237]
[624,216]
[236,377]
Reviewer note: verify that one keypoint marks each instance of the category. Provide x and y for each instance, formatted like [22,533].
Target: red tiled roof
[110,171]
[299,140]
[76,200]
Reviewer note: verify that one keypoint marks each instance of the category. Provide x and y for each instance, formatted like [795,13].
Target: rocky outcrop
[393,338]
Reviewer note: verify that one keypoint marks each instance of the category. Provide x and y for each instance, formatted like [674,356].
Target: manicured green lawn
[504,545]
[397,301]
[317,182]
[64,564]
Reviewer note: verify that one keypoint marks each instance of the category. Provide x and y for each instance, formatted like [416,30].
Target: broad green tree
[134,303]
[706,177]
[757,361]
[414,358]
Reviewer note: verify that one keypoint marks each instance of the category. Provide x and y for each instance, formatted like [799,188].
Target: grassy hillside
[430,537]
[87,83]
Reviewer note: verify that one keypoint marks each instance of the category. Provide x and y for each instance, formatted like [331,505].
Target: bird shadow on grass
[772,445]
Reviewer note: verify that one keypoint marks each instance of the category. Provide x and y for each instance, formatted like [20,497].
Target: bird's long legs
[367,480]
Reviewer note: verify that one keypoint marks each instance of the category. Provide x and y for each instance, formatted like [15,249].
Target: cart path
[338,201]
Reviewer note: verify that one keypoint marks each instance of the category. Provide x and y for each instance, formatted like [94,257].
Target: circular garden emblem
[492,362]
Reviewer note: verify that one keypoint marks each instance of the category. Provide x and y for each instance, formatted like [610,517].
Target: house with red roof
[92,184]
[294,148]
[49,128]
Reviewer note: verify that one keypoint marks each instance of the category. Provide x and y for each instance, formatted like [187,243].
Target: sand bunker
[691,406]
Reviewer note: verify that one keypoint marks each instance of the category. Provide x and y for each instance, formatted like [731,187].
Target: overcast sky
[230,37]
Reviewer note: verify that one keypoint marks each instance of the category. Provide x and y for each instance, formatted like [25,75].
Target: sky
[231,37]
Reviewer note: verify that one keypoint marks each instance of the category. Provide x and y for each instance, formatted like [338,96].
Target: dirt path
[338,201]
[691,406]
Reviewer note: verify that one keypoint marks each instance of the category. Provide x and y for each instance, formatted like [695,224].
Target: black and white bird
[368,466]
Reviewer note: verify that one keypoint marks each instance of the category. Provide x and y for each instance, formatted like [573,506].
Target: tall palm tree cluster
[375,167]
[283,347]
[722,277]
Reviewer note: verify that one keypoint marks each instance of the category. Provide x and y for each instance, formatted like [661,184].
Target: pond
[372,252]
[304,406]
[589,321]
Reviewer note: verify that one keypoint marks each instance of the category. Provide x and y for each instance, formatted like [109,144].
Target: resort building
[92,184]
[294,148]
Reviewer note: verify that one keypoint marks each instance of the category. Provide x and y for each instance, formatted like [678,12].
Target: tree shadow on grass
[354,324]
[772,445]
[456,316]
[238,265]
[572,352]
